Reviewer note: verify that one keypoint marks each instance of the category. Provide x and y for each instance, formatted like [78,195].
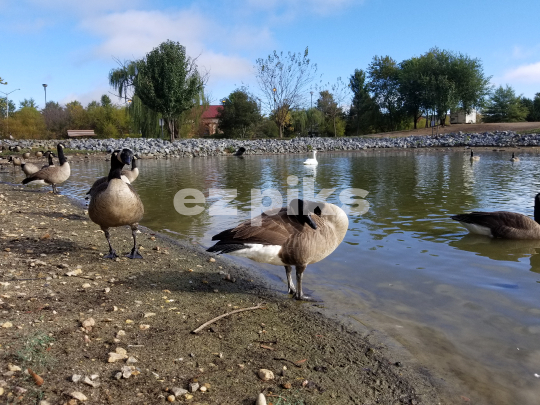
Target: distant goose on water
[301,234]
[503,224]
[52,175]
[514,158]
[474,158]
[115,203]
[313,160]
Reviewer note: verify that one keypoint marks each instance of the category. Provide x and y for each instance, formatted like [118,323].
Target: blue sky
[72,45]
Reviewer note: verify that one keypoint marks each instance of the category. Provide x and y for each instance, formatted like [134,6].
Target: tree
[330,109]
[28,103]
[383,73]
[56,119]
[504,106]
[239,114]
[27,123]
[533,106]
[363,112]
[167,81]
[411,87]
[2,81]
[283,80]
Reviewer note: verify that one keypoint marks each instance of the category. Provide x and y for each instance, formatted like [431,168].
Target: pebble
[76,378]
[91,383]
[265,375]
[7,325]
[79,396]
[178,391]
[261,400]
[13,367]
[131,360]
[171,398]
[193,387]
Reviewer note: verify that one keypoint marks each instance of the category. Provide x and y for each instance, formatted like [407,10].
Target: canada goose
[39,154]
[304,233]
[49,156]
[52,175]
[125,175]
[115,203]
[15,148]
[514,158]
[240,151]
[29,168]
[503,224]
[313,160]
[16,161]
[26,155]
[474,158]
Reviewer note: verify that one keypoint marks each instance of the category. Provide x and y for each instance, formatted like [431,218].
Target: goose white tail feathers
[304,233]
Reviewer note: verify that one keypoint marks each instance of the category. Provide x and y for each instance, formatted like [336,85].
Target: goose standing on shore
[503,224]
[302,234]
[313,160]
[49,155]
[52,175]
[29,168]
[115,203]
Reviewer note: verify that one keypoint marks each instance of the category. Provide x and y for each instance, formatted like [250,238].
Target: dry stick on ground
[227,314]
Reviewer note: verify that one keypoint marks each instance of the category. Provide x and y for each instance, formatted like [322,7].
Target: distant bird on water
[474,158]
[313,160]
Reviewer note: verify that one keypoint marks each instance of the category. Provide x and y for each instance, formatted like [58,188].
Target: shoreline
[157,302]
[201,147]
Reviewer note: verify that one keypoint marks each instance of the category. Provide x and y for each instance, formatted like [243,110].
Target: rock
[91,383]
[149,314]
[203,389]
[86,286]
[193,387]
[114,357]
[144,327]
[79,396]
[211,260]
[75,272]
[265,375]
[120,333]
[261,400]
[131,360]
[171,398]
[127,371]
[76,378]
[7,325]
[178,391]
[13,367]
[118,375]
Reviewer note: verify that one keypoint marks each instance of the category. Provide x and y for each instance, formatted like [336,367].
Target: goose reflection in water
[501,249]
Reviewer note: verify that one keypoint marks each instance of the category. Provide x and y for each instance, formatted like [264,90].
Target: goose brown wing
[43,174]
[502,223]
[273,230]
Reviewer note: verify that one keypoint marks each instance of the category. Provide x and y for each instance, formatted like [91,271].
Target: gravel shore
[65,309]
[216,147]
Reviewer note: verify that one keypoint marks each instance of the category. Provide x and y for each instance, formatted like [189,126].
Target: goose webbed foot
[134,254]
[302,297]
[291,290]
[112,255]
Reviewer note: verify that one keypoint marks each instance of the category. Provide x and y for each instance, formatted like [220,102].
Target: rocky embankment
[216,147]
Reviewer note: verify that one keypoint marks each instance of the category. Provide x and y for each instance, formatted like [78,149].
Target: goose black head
[125,156]
[301,209]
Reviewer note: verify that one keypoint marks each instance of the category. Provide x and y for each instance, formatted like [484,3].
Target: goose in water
[129,176]
[52,175]
[302,234]
[115,203]
[503,224]
[514,158]
[313,160]
[474,158]
[240,151]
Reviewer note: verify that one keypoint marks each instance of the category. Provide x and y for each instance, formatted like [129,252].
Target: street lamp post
[311,114]
[45,88]
[7,108]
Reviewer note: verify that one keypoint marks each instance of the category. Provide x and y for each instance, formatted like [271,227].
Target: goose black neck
[537,208]
[133,164]
[115,163]
[61,156]
[115,173]
[51,162]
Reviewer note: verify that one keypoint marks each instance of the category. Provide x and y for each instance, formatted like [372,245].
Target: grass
[529,131]
[34,352]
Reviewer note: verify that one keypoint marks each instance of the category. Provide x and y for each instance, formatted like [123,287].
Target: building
[209,119]
[461,117]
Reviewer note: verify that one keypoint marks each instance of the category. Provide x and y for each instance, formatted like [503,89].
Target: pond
[467,307]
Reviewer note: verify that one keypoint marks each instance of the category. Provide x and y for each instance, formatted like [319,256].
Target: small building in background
[461,117]
[209,119]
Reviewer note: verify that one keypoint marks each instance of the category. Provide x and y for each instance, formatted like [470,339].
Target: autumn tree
[283,80]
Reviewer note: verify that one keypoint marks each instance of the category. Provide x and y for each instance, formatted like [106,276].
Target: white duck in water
[313,160]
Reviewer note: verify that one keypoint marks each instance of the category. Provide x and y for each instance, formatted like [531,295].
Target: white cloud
[524,74]
[322,7]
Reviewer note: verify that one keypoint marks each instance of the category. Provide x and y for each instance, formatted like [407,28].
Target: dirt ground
[64,309]
[467,128]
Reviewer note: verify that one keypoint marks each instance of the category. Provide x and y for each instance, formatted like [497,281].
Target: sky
[72,45]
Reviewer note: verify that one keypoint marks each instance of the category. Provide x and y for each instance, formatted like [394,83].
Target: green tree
[106,101]
[504,106]
[283,80]
[56,119]
[28,103]
[168,81]
[2,81]
[363,113]
[331,111]
[239,114]
[77,115]
[533,106]
[383,73]
[27,123]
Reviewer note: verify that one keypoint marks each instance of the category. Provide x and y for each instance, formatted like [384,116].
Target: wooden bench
[73,133]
